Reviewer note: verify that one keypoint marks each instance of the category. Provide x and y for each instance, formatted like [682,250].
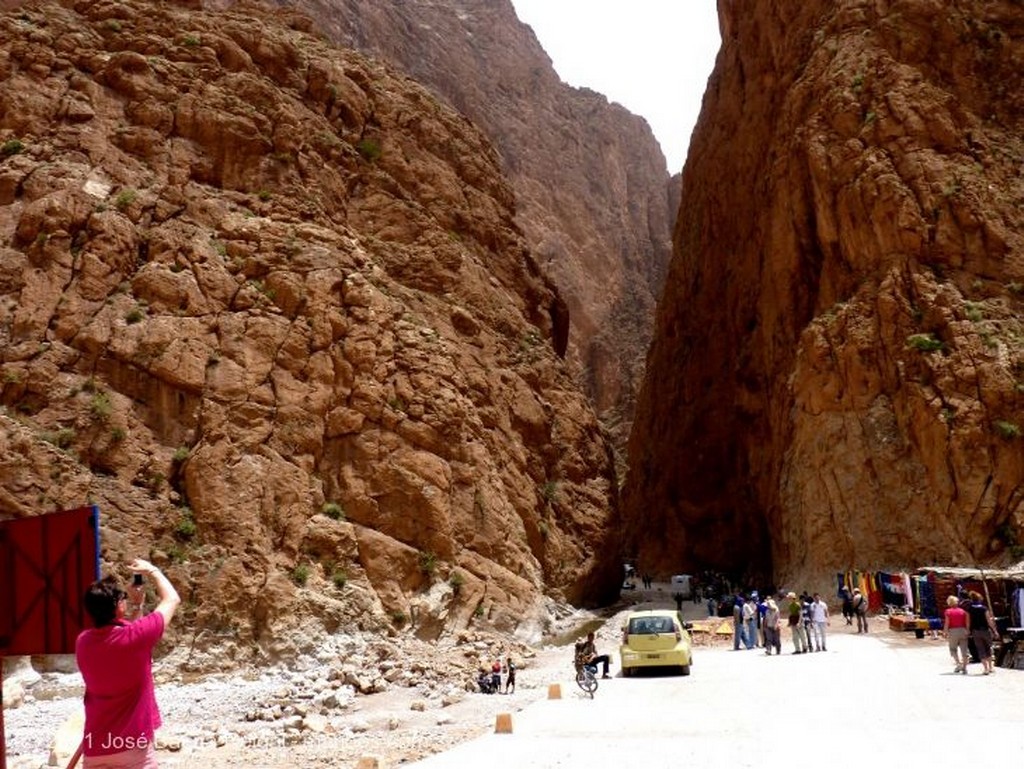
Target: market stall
[915,602]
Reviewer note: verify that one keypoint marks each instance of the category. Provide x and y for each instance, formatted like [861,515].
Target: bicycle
[586,678]
[586,672]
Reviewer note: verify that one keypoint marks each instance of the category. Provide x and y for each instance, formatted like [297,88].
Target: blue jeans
[750,626]
[737,633]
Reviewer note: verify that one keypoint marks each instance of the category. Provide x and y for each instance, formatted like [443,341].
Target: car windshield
[651,625]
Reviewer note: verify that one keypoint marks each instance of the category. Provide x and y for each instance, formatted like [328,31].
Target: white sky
[651,56]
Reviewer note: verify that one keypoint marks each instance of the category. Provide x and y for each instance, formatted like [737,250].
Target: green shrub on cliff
[1006,429]
[924,342]
[370,149]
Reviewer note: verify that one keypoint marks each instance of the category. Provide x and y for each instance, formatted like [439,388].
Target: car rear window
[651,625]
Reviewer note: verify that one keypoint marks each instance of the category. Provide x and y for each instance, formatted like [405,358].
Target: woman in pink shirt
[956,628]
[116,662]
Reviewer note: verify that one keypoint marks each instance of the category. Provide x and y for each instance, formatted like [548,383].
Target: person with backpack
[860,610]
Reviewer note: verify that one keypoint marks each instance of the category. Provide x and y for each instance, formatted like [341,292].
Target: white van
[681,584]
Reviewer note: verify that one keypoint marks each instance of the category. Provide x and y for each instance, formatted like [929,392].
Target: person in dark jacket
[983,630]
[847,606]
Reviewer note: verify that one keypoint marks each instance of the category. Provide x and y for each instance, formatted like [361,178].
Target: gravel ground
[57,698]
[206,723]
[311,717]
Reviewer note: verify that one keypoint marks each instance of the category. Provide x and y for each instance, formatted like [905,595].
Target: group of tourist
[489,681]
[757,621]
[855,604]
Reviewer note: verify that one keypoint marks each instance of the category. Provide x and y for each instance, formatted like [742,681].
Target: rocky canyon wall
[592,192]
[837,375]
[265,302]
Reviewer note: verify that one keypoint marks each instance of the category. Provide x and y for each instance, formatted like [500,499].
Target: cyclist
[587,654]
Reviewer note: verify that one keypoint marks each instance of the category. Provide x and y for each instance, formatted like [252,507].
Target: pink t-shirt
[956,617]
[120,704]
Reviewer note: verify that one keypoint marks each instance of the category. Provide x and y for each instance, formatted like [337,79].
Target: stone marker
[503,723]
[554,691]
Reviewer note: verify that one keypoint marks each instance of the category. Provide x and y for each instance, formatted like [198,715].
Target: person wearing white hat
[796,625]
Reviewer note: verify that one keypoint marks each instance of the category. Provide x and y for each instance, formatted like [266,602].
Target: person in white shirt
[749,612]
[819,619]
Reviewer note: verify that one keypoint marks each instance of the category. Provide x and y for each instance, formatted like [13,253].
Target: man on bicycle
[588,654]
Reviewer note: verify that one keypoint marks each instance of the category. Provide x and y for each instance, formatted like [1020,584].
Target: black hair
[101,600]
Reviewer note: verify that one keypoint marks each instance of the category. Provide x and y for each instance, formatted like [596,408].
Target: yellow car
[655,638]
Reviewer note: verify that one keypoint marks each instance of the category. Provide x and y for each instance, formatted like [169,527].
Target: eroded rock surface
[836,376]
[593,197]
[264,301]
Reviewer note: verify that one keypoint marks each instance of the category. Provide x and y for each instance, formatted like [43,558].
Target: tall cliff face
[592,192]
[265,303]
[838,362]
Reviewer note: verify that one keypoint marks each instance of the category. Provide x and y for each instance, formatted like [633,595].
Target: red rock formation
[836,376]
[592,192]
[264,302]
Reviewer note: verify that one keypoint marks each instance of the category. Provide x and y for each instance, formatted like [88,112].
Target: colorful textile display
[893,590]
[926,590]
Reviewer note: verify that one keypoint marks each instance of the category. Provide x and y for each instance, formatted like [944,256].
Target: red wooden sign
[46,564]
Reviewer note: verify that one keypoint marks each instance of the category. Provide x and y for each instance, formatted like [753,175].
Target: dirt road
[884,699]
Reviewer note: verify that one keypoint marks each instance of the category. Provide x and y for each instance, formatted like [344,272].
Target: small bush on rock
[300,574]
[428,562]
[1006,429]
[333,510]
[924,342]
